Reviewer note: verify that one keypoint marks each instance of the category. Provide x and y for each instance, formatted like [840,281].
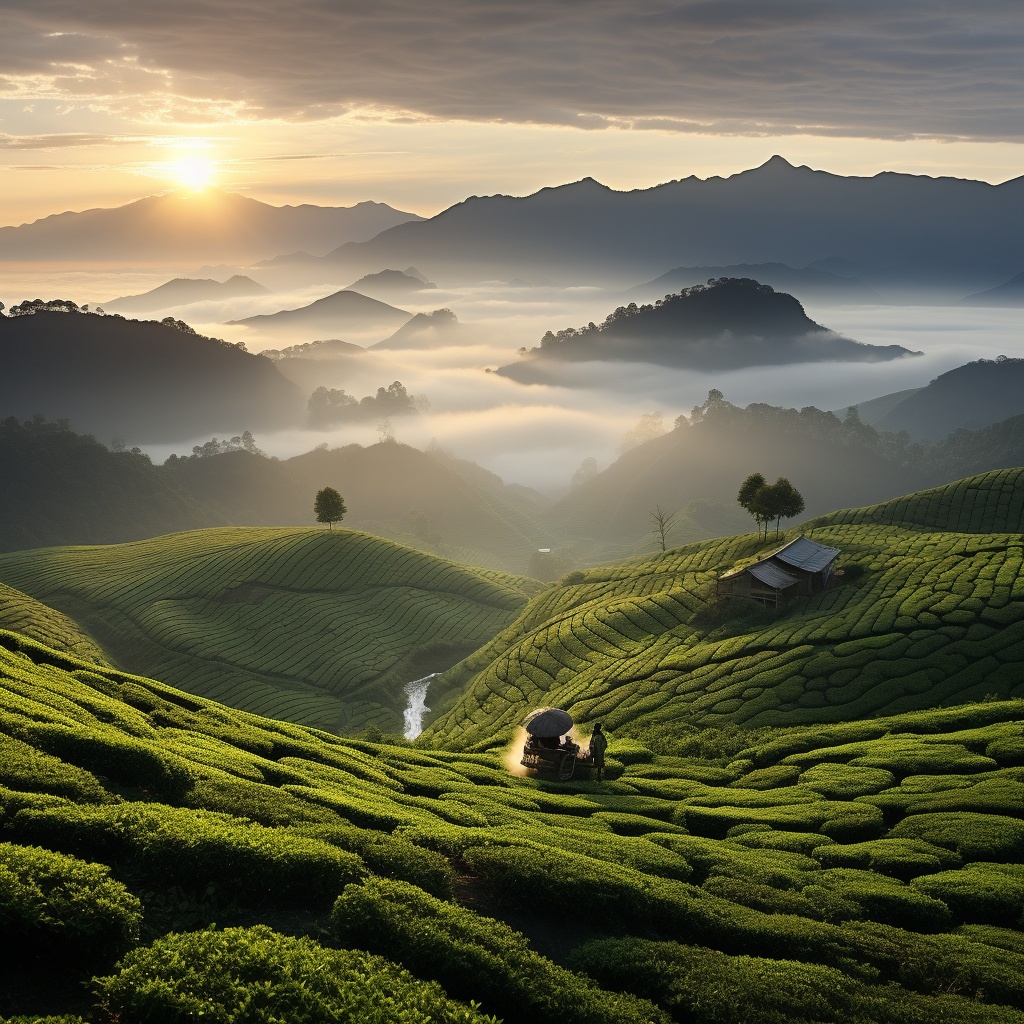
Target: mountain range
[194,226]
[896,233]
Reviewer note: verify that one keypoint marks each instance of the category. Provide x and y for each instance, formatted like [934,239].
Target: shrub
[985,893]
[477,957]
[846,781]
[266,805]
[194,849]
[65,905]
[885,899]
[390,856]
[703,986]
[255,975]
[899,858]
[115,756]
[972,836]
[24,767]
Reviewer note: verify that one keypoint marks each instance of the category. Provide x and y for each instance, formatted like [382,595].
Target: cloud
[864,68]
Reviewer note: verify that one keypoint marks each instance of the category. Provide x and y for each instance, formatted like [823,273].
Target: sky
[335,101]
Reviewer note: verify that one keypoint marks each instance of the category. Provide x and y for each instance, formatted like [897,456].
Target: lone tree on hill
[748,497]
[660,518]
[329,507]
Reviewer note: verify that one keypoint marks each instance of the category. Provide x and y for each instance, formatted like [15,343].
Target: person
[598,745]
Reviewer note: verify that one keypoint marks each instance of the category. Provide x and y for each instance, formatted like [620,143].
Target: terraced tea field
[22,614]
[929,611]
[298,624]
[863,873]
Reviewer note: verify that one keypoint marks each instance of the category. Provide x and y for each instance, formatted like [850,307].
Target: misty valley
[594,606]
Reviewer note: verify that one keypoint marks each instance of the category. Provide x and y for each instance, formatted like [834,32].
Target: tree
[660,518]
[329,507]
[786,501]
[748,497]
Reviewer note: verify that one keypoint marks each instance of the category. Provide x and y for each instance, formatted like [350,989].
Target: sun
[193,172]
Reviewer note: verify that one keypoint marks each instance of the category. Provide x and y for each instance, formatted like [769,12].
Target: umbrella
[548,722]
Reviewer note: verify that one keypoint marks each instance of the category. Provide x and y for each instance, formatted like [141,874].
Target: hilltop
[391,283]
[928,610]
[449,507]
[804,283]
[427,330]
[974,395]
[1010,293]
[30,618]
[334,314]
[143,380]
[302,625]
[184,290]
[195,225]
[726,324]
[866,873]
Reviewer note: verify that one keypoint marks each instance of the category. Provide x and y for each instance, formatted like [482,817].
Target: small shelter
[549,747]
[797,568]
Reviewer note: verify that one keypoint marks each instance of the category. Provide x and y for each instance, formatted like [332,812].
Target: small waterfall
[416,706]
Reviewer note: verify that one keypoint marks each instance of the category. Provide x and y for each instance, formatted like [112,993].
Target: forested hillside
[147,381]
[167,858]
[302,625]
[928,610]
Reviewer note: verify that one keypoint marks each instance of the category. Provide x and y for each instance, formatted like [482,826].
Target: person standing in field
[598,745]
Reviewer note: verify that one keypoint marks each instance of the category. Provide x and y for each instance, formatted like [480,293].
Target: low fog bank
[538,435]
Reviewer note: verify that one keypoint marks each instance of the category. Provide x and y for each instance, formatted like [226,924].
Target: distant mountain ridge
[194,226]
[184,290]
[1011,293]
[913,230]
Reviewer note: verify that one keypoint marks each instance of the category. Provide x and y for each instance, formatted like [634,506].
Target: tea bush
[703,986]
[476,957]
[66,906]
[194,849]
[250,975]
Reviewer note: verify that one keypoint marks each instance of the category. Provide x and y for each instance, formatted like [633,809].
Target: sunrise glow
[193,172]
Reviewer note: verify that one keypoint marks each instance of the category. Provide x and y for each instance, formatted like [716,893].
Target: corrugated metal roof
[806,554]
[773,575]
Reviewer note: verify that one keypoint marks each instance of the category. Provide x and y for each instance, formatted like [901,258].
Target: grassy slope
[936,617]
[382,484]
[22,614]
[299,624]
[865,846]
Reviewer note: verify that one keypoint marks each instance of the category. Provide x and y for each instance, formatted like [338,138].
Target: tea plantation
[928,609]
[298,624]
[166,858]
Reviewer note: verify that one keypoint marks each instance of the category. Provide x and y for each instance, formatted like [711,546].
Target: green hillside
[864,873]
[920,617]
[298,624]
[22,614]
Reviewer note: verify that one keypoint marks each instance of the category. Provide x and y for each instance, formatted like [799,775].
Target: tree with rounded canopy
[329,507]
[748,497]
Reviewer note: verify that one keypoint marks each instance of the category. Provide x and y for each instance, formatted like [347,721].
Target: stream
[416,705]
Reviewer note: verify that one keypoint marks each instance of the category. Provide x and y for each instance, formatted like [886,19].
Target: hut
[798,568]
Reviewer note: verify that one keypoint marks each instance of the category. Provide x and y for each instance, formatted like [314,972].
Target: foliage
[195,849]
[477,957]
[932,618]
[62,905]
[703,986]
[257,976]
[329,506]
[253,617]
[808,863]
